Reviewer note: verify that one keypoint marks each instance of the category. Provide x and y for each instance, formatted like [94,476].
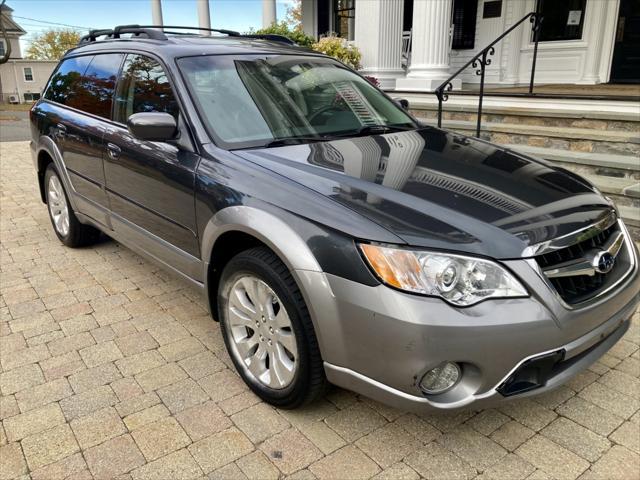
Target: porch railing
[480,62]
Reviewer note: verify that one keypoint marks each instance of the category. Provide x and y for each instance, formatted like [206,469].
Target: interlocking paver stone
[388,445]
[39,395]
[33,421]
[348,463]
[87,402]
[49,446]
[20,378]
[97,427]
[106,358]
[203,420]
[579,440]
[221,448]
[290,451]
[552,458]
[183,394]
[259,422]
[12,463]
[434,461]
[256,466]
[95,377]
[114,457]
[179,465]
[160,438]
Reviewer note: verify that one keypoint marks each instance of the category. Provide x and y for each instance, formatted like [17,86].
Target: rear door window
[143,87]
[86,83]
[67,78]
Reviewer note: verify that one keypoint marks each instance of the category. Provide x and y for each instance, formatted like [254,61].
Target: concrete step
[606,110]
[627,164]
[630,215]
[610,136]
[623,187]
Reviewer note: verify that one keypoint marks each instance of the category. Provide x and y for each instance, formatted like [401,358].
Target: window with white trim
[28,74]
[2,49]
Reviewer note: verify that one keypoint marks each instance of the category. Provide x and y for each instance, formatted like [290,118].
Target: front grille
[580,288]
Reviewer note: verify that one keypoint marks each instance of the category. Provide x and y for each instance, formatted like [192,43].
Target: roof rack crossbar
[231,33]
[152,32]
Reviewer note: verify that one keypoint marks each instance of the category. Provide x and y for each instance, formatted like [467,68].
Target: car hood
[441,190]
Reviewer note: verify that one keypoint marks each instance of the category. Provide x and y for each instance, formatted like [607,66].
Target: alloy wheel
[261,333]
[58,207]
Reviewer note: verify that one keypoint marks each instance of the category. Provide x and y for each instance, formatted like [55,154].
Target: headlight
[460,280]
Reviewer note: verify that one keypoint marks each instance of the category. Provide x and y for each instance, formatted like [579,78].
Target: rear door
[82,94]
[150,185]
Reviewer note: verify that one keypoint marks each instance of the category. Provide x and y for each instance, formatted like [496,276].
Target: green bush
[283,29]
[337,47]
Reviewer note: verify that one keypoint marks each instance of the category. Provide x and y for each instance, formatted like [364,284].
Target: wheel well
[227,246]
[44,159]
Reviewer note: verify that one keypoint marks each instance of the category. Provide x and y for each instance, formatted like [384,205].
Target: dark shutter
[464,24]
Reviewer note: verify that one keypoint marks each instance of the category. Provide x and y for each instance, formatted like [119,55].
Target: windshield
[258,100]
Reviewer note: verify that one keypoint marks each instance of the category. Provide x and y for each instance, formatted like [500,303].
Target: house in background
[21,80]
[581,41]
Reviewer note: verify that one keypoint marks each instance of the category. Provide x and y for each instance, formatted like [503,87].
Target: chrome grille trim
[607,220]
[603,294]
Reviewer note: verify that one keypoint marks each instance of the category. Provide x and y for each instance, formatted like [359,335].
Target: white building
[581,41]
[21,80]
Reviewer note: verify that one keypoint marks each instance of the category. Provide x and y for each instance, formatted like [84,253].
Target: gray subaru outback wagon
[335,237]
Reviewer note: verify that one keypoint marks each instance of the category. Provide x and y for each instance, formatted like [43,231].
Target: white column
[156,12]
[378,35]
[430,45]
[594,23]
[268,13]
[512,68]
[204,16]
[309,17]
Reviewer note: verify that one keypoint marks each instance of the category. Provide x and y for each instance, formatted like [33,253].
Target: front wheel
[65,223]
[268,331]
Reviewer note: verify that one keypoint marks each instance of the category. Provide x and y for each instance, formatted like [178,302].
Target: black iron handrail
[482,60]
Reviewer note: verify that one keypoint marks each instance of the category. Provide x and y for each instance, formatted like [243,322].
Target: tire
[65,224]
[272,338]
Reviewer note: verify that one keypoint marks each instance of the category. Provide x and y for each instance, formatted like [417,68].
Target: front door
[625,67]
[150,185]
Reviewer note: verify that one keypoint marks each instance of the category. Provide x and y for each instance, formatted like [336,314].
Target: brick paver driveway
[110,368]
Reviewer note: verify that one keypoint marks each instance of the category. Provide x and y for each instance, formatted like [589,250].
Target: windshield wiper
[375,129]
[279,142]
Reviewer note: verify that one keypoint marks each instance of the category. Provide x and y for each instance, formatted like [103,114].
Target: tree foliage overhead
[52,44]
[294,15]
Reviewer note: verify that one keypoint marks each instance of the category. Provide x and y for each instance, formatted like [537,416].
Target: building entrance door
[625,67]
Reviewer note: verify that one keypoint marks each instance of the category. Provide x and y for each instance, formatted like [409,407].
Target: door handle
[61,131]
[114,151]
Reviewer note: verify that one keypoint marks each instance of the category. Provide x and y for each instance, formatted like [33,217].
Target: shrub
[283,29]
[337,47]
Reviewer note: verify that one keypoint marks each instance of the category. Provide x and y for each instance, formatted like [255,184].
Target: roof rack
[152,32]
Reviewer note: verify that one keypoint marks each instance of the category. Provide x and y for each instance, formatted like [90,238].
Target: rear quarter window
[66,79]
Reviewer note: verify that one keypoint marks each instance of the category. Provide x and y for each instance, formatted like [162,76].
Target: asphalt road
[14,126]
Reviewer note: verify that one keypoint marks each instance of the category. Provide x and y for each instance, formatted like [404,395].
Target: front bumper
[379,342]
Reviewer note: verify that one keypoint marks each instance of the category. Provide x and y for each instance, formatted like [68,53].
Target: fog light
[440,378]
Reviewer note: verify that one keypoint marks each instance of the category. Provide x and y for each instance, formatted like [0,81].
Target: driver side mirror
[402,103]
[153,126]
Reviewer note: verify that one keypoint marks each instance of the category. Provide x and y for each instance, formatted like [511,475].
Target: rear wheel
[65,223]
[268,331]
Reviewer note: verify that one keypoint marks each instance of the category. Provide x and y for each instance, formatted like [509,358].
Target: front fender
[266,227]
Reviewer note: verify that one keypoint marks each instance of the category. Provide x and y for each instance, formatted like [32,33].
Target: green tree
[52,44]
